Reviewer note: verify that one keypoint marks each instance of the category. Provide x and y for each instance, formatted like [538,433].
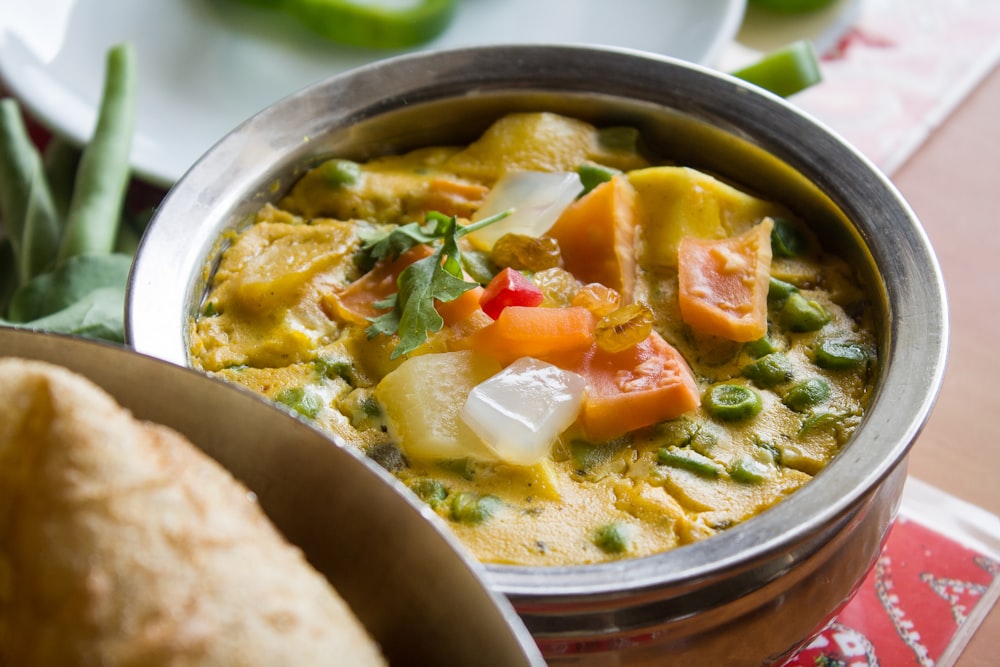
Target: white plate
[207,65]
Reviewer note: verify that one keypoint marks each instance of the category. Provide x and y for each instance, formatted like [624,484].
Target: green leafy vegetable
[62,216]
[437,277]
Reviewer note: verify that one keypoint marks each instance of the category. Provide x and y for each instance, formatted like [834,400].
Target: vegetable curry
[572,352]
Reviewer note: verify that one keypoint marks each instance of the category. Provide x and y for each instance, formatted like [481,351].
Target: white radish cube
[536,199]
[520,411]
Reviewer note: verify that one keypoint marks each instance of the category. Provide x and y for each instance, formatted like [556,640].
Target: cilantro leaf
[437,277]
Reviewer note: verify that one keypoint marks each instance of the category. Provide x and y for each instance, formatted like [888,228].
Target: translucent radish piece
[521,410]
[536,200]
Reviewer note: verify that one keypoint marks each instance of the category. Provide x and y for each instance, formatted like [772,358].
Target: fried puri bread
[121,543]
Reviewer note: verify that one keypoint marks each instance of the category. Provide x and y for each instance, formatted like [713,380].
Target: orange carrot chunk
[356,302]
[596,235]
[533,331]
[648,383]
[723,283]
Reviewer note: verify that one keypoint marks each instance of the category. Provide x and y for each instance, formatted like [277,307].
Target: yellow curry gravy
[267,324]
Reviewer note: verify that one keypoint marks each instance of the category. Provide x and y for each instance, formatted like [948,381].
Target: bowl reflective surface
[747,596]
[394,563]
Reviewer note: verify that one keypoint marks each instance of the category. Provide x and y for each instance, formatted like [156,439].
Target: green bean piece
[301,401]
[802,315]
[468,507]
[588,456]
[8,273]
[749,470]
[839,355]
[340,173]
[807,394]
[787,239]
[61,159]
[592,175]
[760,347]
[769,370]
[689,460]
[731,402]
[26,205]
[613,538]
[209,310]
[619,138]
[104,171]
[778,292]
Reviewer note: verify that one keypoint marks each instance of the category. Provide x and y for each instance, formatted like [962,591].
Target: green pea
[431,491]
[778,292]
[769,370]
[467,507]
[689,460]
[613,538]
[731,402]
[334,368]
[787,239]
[760,347]
[807,394]
[301,401]
[838,355]
[801,315]
[341,173]
[592,175]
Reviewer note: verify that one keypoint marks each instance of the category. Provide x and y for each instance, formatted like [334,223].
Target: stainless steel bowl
[744,597]
[349,518]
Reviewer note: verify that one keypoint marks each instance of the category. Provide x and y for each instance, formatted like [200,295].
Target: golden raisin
[526,253]
[598,299]
[558,286]
[625,327]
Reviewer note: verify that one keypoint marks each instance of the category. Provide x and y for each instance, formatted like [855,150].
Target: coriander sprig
[437,277]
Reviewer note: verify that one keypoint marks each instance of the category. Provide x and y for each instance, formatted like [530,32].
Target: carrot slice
[356,302]
[453,197]
[596,235]
[535,331]
[638,387]
[723,283]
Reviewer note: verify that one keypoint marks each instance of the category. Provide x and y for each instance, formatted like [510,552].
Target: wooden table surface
[953,184]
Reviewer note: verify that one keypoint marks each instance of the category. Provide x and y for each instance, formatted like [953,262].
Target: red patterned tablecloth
[932,586]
